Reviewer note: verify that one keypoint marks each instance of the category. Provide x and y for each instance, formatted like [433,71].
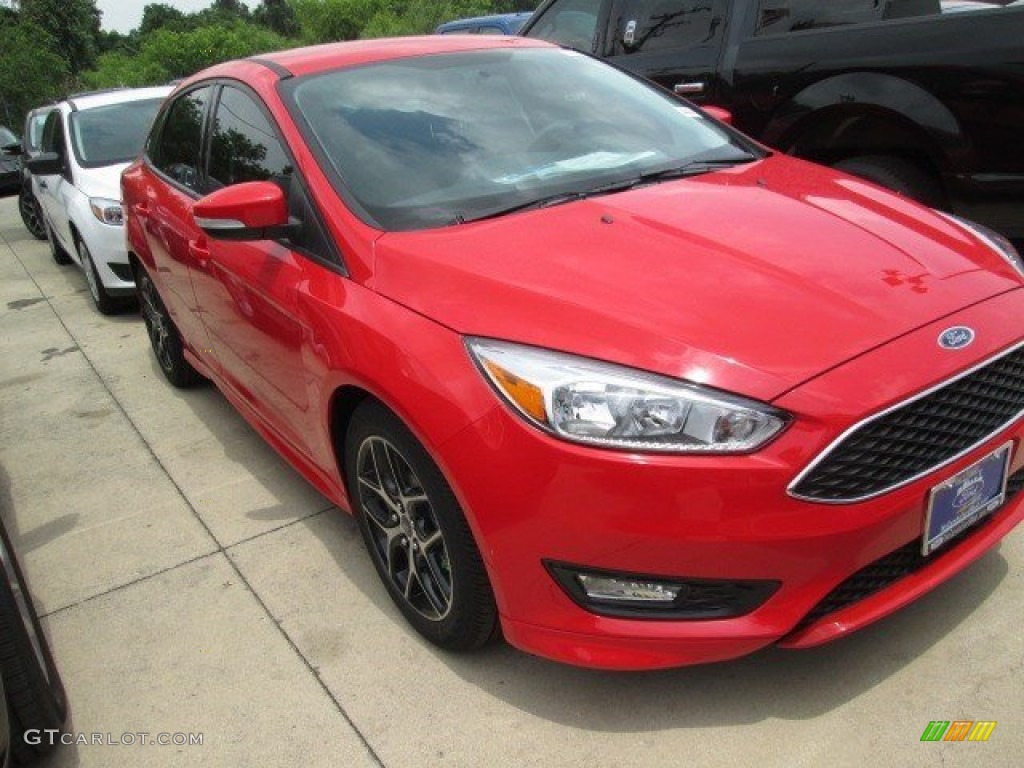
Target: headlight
[611,406]
[107,211]
[991,238]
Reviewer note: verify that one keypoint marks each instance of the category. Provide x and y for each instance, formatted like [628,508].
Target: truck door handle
[688,89]
[199,253]
[43,184]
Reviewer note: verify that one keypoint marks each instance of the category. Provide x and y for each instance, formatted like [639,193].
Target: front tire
[60,256]
[163,335]
[416,533]
[31,214]
[900,175]
[32,684]
[105,303]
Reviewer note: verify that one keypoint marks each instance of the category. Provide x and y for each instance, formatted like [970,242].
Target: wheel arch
[859,113]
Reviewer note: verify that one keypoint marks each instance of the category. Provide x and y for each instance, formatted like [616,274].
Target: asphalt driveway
[194,585]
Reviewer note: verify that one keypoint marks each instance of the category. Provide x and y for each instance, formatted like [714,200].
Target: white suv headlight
[587,401]
[107,211]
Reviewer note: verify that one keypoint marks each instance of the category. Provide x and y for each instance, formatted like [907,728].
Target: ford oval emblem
[956,338]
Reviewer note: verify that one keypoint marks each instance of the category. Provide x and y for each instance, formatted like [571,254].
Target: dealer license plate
[960,502]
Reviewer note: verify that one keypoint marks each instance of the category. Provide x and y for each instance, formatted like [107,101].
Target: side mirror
[253,210]
[11,150]
[45,164]
[720,114]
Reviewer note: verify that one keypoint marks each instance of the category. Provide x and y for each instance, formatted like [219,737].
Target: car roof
[83,101]
[322,58]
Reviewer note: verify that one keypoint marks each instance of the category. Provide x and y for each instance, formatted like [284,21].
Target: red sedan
[586,364]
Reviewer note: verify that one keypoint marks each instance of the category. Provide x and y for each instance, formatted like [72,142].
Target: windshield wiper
[529,205]
[693,168]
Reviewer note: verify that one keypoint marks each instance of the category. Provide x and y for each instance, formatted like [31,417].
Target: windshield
[112,134]
[431,141]
[7,137]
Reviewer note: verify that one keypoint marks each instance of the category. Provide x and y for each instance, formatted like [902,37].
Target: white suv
[87,141]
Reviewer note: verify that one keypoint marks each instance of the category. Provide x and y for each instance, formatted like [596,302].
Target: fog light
[649,596]
[627,590]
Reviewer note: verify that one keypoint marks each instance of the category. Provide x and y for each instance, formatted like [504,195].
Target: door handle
[43,184]
[688,89]
[199,252]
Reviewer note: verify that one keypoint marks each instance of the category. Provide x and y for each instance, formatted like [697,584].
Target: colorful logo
[958,730]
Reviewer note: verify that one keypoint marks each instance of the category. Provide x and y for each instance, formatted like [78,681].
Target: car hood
[752,280]
[101,182]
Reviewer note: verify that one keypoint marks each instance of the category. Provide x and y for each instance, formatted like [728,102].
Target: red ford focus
[585,363]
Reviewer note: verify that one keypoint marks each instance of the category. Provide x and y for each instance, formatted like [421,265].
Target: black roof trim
[273,66]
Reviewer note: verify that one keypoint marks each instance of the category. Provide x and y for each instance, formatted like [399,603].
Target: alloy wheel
[157,323]
[406,536]
[30,215]
[90,272]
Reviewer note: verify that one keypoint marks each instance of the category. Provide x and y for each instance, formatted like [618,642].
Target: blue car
[499,24]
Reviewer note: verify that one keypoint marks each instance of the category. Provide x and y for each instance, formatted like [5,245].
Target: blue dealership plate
[964,499]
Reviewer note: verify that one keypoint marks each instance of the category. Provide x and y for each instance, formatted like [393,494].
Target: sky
[125,15]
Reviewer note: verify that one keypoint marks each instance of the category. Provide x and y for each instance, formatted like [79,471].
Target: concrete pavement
[191,582]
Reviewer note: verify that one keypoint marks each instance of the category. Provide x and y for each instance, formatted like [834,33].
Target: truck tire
[35,693]
[896,173]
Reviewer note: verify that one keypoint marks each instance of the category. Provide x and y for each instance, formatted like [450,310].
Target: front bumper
[109,254]
[532,498]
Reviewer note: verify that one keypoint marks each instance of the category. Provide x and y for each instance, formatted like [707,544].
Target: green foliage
[322,21]
[160,16]
[31,72]
[277,16]
[73,25]
[170,44]
[167,54]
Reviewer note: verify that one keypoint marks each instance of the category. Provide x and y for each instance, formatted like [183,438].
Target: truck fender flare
[872,96]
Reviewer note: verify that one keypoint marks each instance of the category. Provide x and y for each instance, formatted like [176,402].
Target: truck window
[780,16]
[654,25]
[572,23]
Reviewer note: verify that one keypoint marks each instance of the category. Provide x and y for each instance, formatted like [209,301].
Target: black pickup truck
[923,96]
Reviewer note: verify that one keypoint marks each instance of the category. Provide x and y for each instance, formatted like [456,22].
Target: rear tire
[163,335]
[416,534]
[32,684]
[899,175]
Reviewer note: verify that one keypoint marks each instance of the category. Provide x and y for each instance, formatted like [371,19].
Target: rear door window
[175,149]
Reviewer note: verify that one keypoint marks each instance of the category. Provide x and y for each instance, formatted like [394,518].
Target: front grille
[895,566]
[917,437]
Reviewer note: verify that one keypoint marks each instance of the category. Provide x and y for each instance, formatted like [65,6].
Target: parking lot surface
[193,585]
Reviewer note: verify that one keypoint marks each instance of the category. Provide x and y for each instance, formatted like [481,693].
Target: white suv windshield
[112,134]
[430,141]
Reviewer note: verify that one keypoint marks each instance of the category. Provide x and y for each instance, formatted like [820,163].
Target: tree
[31,72]
[74,26]
[167,54]
[277,16]
[324,21]
[159,16]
